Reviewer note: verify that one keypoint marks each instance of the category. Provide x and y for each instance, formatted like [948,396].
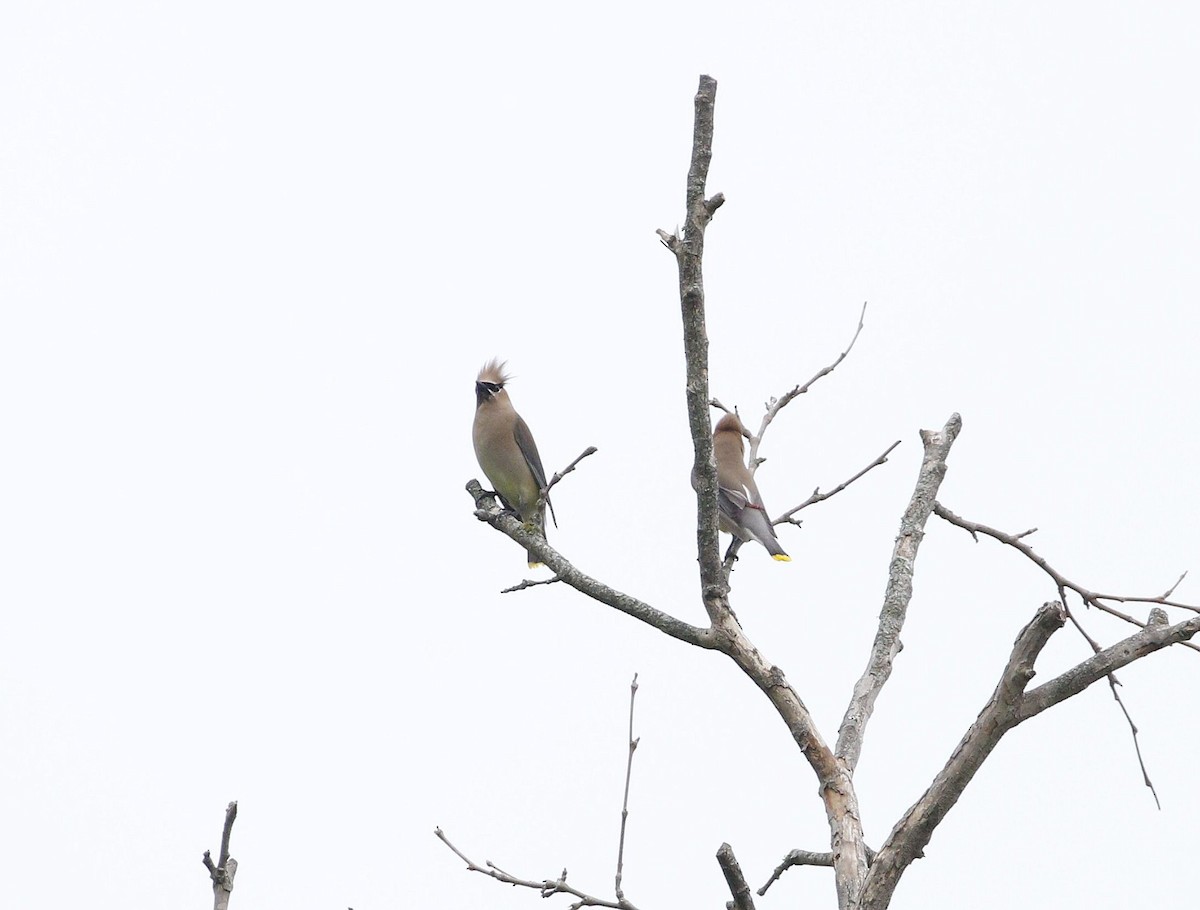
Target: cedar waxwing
[506,450]
[740,506]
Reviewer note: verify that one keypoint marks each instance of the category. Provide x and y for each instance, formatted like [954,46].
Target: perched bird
[506,450]
[740,505]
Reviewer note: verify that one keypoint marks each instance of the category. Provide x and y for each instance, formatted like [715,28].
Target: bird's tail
[771,542]
[757,523]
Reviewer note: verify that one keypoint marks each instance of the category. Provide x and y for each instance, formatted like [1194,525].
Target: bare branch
[1073,681]
[546,887]
[489,510]
[670,241]
[898,593]
[818,496]
[1010,705]
[1089,597]
[742,899]
[222,874]
[689,252]
[227,831]
[1113,682]
[1092,643]
[999,715]
[590,450]
[1157,619]
[730,557]
[775,405]
[804,858]
[1137,746]
[633,744]
[835,783]
[527,583]
[796,858]
[1171,590]
[544,492]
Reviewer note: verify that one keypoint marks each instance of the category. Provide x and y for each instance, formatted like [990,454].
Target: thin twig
[590,450]
[716,403]
[1092,643]
[1090,598]
[531,584]
[775,405]
[1171,590]
[546,887]
[1113,683]
[544,492]
[633,744]
[1137,748]
[804,858]
[818,496]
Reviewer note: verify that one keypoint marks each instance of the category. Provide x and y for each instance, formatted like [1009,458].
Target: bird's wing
[731,501]
[529,449]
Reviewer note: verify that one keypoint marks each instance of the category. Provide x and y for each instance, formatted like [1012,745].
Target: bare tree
[864,879]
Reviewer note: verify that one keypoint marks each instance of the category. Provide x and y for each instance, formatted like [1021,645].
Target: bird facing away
[740,505]
[506,450]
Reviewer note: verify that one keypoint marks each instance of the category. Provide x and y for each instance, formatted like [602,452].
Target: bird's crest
[493,372]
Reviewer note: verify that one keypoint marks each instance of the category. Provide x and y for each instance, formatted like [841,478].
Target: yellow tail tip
[782,557]
[536,565]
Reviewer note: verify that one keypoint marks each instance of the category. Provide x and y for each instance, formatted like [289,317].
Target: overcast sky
[251,257]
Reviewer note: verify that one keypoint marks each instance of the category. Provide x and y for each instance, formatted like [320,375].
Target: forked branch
[1009,706]
[226,867]
[1100,601]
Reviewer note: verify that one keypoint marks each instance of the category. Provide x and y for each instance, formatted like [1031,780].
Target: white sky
[251,257]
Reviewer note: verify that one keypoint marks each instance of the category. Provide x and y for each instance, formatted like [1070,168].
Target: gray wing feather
[750,519]
[529,449]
